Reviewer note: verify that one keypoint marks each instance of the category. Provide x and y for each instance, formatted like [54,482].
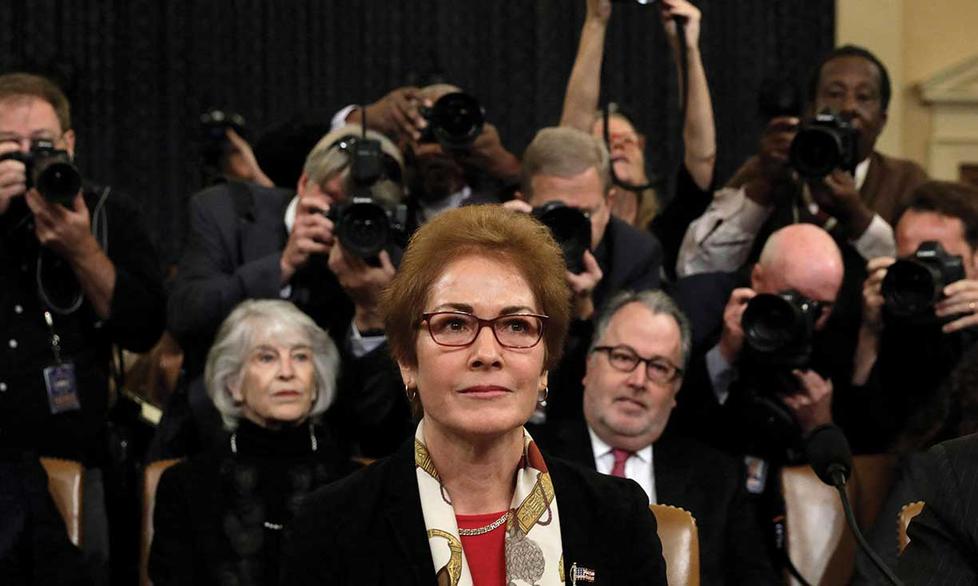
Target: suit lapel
[573,443]
[263,226]
[671,470]
[405,521]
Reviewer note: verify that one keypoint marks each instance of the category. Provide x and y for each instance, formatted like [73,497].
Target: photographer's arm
[699,129]
[584,85]
[68,233]
[868,342]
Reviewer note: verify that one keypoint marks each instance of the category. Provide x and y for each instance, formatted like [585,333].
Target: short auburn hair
[15,85]
[490,231]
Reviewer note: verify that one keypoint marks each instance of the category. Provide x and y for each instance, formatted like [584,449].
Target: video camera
[50,170]
[364,224]
[824,143]
[570,227]
[454,121]
[913,284]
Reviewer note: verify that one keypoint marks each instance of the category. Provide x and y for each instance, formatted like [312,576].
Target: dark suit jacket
[701,480]
[944,537]
[629,258]
[368,529]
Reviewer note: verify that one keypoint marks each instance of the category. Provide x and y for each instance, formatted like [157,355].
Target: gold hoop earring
[543,400]
[412,393]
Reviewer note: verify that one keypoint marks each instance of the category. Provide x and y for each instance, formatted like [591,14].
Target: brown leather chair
[151,478]
[906,514]
[65,481]
[680,544]
[818,540]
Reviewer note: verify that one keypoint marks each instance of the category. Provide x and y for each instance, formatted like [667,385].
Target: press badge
[62,388]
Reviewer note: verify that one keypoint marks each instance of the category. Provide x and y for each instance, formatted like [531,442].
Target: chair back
[65,481]
[906,514]
[680,544]
[819,542]
[151,479]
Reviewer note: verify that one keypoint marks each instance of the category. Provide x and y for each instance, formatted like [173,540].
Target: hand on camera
[773,158]
[732,338]
[836,193]
[873,294]
[13,176]
[242,164]
[812,405]
[396,114]
[66,231]
[363,283]
[311,234]
[960,299]
[583,284]
[691,15]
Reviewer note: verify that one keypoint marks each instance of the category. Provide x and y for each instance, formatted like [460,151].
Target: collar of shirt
[642,461]
[290,213]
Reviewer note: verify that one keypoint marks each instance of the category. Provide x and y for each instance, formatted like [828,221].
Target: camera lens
[911,287]
[570,228]
[58,182]
[457,120]
[364,229]
[771,323]
[815,152]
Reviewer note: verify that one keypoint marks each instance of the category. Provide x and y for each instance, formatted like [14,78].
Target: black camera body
[779,329]
[365,225]
[913,284]
[824,143]
[214,125]
[50,170]
[570,227]
[454,121]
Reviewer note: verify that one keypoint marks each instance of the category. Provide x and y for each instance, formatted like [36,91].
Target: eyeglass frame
[640,359]
[491,323]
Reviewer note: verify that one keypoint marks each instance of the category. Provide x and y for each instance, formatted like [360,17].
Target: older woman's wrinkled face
[278,382]
[483,388]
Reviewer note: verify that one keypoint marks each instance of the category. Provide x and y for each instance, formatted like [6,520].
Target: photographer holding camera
[855,195]
[79,275]
[454,156]
[314,248]
[920,311]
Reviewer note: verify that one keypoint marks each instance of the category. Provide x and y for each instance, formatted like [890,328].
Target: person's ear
[409,375]
[300,188]
[757,277]
[612,196]
[69,138]
[234,389]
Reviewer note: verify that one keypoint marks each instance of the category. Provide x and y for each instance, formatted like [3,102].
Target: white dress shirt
[639,466]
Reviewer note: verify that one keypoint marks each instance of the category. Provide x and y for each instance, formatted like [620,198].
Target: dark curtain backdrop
[139,72]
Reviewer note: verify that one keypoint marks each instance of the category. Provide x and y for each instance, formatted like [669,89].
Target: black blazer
[705,482]
[630,259]
[944,537]
[368,529]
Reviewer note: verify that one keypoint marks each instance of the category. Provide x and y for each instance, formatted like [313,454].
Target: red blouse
[486,553]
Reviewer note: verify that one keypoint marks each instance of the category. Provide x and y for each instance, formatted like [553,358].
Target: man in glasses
[634,370]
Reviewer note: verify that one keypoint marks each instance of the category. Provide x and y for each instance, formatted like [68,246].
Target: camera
[50,170]
[571,228]
[913,284]
[214,125]
[779,328]
[364,224]
[454,121]
[824,143]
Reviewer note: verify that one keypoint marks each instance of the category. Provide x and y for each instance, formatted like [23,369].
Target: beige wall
[916,39]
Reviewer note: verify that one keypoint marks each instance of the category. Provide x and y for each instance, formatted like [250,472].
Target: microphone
[828,453]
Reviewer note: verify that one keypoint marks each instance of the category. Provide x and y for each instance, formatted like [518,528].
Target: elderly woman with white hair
[219,516]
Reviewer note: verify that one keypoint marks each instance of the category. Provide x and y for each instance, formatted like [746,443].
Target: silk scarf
[534,553]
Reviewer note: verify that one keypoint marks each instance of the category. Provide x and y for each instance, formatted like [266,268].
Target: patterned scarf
[534,553]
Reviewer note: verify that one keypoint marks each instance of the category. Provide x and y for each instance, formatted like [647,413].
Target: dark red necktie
[621,456]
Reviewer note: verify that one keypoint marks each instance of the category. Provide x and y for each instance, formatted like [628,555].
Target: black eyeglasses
[625,358]
[455,328]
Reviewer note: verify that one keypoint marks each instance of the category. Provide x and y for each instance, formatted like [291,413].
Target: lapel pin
[582,574]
